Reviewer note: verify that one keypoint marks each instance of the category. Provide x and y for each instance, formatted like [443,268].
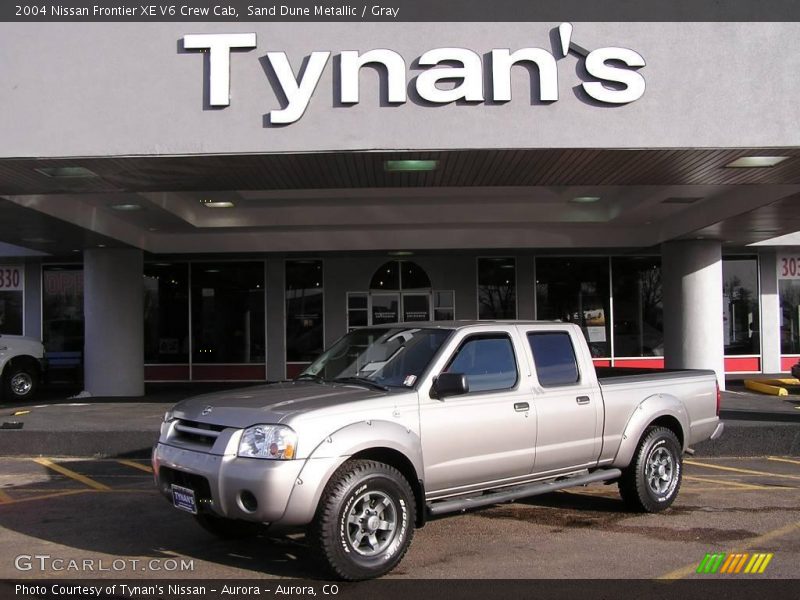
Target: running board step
[523,491]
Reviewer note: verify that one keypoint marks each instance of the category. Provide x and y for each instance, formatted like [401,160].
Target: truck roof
[460,324]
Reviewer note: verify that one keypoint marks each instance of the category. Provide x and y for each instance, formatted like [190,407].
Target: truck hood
[272,403]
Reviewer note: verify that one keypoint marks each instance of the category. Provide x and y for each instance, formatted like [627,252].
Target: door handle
[583,400]
[521,406]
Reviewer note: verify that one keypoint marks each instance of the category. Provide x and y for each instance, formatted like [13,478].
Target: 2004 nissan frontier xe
[395,423]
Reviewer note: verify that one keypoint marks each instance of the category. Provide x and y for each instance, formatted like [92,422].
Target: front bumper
[226,484]
[222,482]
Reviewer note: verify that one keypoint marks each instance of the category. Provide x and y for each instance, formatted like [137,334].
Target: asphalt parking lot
[106,517]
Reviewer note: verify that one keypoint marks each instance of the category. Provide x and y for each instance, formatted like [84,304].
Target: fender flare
[650,409]
[336,448]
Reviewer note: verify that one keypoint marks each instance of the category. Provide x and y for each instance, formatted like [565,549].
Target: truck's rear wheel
[651,482]
[364,521]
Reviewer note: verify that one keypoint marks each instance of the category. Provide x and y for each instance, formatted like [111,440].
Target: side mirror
[449,384]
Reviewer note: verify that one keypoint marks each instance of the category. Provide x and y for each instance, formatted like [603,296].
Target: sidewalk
[55,425]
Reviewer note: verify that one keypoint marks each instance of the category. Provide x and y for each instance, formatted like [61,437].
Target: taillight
[719,398]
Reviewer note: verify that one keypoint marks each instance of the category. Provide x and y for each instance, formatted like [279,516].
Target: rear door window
[554,358]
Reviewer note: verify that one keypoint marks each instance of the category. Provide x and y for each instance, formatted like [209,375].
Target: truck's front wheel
[651,482]
[364,522]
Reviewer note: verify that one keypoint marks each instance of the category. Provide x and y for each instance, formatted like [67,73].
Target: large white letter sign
[471,75]
[503,60]
[219,49]
[298,93]
[596,66]
[395,73]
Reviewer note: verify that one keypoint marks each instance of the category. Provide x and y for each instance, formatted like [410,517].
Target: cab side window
[487,361]
[554,358]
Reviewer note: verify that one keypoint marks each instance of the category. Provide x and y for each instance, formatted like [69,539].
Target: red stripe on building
[742,364]
[229,372]
[166,372]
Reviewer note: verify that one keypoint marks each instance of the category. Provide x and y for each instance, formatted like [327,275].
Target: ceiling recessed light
[76,250]
[400,253]
[67,172]
[585,199]
[756,161]
[101,245]
[126,207]
[217,203]
[38,240]
[410,165]
[212,270]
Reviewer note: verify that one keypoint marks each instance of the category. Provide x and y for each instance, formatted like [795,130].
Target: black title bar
[397,10]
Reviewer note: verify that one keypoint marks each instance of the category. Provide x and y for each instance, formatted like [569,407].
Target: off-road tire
[653,479]
[227,529]
[363,499]
[20,383]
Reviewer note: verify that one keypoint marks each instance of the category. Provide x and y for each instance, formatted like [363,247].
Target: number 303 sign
[788,266]
[11,278]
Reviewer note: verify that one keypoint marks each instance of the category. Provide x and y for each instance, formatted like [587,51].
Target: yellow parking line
[46,462]
[45,496]
[735,470]
[136,465]
[736,484]
[786,460]
[5,498]
[756,541]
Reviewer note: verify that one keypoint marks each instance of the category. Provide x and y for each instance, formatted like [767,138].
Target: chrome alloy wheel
[660,470]
[371,523]
[21,384]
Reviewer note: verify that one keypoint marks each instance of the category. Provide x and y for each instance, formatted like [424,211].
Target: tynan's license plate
[183,498]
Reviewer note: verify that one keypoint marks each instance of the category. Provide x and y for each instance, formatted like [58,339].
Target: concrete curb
[749,440]
[84,444]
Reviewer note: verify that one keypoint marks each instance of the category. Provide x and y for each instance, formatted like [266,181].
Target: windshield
[387,356]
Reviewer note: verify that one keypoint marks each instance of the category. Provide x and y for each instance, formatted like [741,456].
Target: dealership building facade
[225,200]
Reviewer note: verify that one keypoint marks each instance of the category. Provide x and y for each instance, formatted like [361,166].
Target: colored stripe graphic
[734,563]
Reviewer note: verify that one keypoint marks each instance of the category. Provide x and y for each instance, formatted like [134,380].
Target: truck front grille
[194,432]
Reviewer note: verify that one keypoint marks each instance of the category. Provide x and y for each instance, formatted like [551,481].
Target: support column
[276,319]
[114,322]
[693,311]
[770,312]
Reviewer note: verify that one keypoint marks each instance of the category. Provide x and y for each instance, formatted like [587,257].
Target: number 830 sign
[11,278]
[788,266]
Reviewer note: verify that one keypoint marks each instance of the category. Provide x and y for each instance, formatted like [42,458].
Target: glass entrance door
[416,306]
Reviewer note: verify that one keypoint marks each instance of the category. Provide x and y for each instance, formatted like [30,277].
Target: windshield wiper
[362,381]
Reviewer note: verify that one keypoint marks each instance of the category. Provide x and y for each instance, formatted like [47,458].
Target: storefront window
[638,310]
[497,288]
[228,312]
[166,313]
[789,290]
[62,309]
[740,305]
[575,290]
[304,306]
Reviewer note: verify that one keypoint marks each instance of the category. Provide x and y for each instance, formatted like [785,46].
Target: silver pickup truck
[397,423]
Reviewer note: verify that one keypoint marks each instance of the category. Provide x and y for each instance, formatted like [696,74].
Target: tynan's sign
[615,71]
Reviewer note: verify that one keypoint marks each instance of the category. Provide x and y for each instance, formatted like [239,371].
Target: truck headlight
[276,442]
